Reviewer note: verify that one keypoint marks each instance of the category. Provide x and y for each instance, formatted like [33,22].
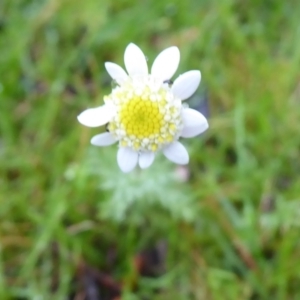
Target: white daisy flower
[144,112]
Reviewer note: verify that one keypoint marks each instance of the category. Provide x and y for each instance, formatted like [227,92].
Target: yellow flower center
[141,118]
[146,118]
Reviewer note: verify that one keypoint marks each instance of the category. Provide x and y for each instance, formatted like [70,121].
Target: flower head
[144,112]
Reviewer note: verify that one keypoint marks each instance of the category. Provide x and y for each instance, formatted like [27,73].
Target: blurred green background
[72,226]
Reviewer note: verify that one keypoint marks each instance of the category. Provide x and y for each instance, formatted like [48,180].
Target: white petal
[94,117]
[176,153]
[103,139]
[194,123]
[127,159]
[186,84]
[135,61]
[166,63]
[146,159]
[116,72]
